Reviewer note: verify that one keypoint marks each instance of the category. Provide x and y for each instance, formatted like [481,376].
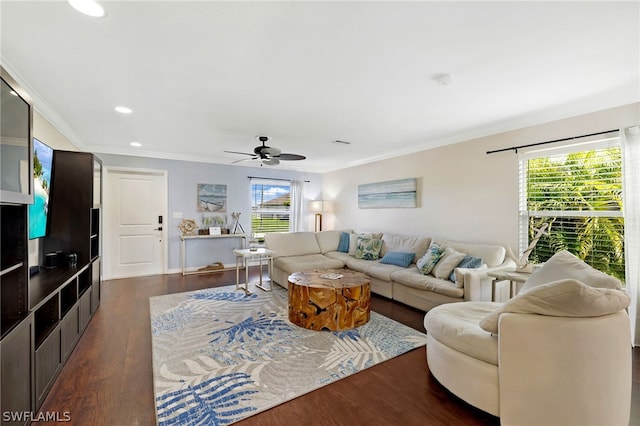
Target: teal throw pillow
[471,262]
[427,262]
[398,258]
[368,248]
[343,245]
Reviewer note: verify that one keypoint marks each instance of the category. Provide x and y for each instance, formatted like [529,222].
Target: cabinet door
[95,285]
[69,331]
[16,123]
[48,363]
[85,309]
[16,370]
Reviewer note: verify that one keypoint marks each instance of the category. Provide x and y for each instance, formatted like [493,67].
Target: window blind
[579,194]
[270,206]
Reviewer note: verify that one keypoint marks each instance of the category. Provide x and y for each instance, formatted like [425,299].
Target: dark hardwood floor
[108,378]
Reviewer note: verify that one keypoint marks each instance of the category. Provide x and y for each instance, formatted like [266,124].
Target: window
[270,206]
[578,192]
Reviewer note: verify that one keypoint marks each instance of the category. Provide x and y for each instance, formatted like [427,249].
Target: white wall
[463,193]
[46,133]
[183,177]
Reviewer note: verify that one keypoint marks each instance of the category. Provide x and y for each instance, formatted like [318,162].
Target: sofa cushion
[468,262]
[562,298]
[343,244]
[450,258]
[368,248]
[411,277]
[398,258]
[493,255]
[359,265]
[328,240]
[456,326]
[339,255]
[402,243]
[565,265]
[291,264]
[291,243]
[427,262]
[381,271]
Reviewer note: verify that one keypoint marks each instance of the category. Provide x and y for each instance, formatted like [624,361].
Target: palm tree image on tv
[588,184]
[38,211]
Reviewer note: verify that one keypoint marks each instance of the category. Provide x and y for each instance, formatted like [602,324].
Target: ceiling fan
[269,155]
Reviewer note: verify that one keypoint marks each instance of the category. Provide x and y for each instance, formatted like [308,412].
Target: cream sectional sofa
[299,251]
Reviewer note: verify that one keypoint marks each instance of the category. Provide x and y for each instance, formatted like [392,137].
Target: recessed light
[14,93]
[123,110]
[136,144]
[87,7]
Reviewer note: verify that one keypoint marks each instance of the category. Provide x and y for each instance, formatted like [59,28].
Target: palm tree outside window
[578,192]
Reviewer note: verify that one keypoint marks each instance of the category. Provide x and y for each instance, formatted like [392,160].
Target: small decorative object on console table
[522,264]
[188,226]
[332,300]
[237,228]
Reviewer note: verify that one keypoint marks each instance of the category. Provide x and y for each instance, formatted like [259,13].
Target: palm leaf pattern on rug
[218,401]
[226,296]
[257,329]
[351,355]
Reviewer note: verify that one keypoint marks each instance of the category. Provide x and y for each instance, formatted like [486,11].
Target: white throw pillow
[447,263]
[563,298]
[565,265]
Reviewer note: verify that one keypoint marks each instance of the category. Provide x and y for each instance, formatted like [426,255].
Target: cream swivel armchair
[559,353]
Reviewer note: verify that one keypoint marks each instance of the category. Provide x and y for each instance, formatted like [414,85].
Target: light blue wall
[183,177]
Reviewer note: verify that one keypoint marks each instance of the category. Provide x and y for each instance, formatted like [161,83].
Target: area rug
[220,356]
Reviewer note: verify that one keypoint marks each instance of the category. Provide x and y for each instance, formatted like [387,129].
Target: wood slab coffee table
[332,300]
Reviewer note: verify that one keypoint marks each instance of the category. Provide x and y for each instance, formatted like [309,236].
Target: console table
[183,250]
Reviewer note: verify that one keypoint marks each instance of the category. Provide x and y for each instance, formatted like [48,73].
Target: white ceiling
[203,76]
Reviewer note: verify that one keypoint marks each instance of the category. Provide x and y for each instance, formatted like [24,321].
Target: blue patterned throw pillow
[427,262]
[467,262]
[343,245]
[368,248]
[398,258]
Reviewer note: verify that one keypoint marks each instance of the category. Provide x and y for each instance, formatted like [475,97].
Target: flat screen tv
[39,210]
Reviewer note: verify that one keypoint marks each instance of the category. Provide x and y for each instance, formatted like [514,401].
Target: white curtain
[630,143]
[297,198]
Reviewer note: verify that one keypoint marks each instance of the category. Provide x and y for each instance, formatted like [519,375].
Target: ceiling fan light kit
[270,156]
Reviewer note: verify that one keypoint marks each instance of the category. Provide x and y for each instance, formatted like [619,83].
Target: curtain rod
[515,148]
[269,178]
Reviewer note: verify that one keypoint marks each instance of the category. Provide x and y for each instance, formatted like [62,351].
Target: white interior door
[134,222]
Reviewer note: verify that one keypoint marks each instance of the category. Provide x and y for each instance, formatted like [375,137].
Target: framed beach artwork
[390,194]
[212,198]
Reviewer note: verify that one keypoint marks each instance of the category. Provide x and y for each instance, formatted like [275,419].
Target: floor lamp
[319,207]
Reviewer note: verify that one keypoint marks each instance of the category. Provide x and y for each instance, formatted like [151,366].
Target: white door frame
[108,242]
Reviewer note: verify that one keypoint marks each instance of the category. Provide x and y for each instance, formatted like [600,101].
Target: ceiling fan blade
[244,159]
[290,157]
[271,162]
[236,152]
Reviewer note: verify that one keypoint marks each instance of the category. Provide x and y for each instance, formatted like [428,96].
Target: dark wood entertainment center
[43,316]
